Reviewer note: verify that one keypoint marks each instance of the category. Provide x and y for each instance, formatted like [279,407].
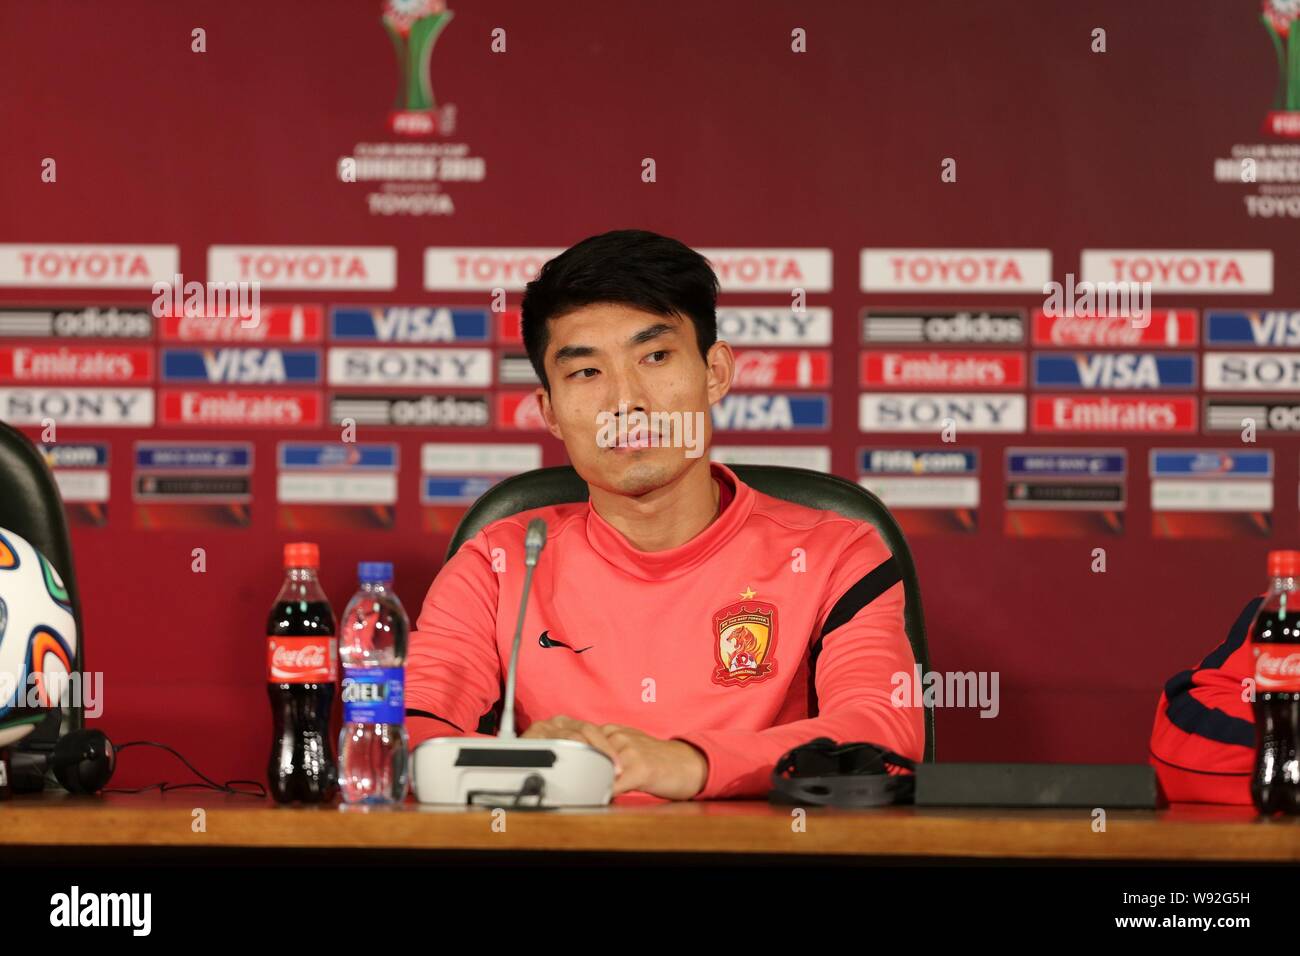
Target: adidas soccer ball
[38,638]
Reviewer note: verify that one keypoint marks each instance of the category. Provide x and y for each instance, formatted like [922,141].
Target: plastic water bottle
[373,760]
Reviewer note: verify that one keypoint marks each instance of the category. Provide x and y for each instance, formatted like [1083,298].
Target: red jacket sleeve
[1203,740]
[862,645]
[452,665]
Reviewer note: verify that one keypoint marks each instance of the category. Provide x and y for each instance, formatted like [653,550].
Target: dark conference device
[1112,786]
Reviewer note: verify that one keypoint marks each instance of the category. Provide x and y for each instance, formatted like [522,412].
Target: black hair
[629,266]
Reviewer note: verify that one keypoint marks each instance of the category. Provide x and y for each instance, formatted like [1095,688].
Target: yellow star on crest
[748,593]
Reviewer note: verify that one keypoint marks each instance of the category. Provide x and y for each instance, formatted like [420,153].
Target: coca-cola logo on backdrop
[778,368]
[1163,328]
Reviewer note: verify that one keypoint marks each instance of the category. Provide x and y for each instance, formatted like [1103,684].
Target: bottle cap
[301,554]
[1283,564]
[375,572]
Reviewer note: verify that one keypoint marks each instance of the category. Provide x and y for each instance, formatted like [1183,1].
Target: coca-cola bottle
[302,671]
[1275,642]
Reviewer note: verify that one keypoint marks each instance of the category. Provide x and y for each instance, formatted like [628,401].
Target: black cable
[211,784]
[534,785]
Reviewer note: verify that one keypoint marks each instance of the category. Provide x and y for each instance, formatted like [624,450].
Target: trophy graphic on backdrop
[413,26]
[1280,20]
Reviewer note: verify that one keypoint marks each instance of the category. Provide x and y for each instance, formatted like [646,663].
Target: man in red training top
[686,625]
[1203,740]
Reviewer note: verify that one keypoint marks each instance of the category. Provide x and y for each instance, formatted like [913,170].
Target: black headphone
[82,761]
[822,773]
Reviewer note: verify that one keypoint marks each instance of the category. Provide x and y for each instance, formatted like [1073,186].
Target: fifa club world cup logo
[1280,20]
[413,26]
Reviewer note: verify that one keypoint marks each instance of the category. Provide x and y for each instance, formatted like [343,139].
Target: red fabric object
[1202,742]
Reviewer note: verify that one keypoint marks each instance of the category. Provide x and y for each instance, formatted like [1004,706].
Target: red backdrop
[839,148]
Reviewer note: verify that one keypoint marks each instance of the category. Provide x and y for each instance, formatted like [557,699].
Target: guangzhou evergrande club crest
[744,636]
[1281,18]
[414,26]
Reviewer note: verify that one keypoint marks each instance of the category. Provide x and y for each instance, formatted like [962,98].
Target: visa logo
[409,324]
[1267,328]
[767,412]
[241,366]
[1115,370]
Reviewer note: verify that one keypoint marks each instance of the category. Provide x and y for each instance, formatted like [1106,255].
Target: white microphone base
[522,772]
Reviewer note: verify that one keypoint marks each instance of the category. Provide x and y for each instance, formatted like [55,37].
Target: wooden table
[727,829]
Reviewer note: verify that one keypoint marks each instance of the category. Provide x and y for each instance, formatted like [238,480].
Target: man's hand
[671,769]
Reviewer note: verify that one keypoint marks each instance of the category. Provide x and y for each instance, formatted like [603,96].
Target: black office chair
[814,489]
[30,506]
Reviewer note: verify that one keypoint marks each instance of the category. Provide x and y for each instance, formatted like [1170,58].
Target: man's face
[607,362]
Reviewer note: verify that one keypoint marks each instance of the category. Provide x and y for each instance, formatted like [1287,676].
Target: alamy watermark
[212,300]
[133,911]
[42,691]
[946,689]
[1128,300]
[638,429]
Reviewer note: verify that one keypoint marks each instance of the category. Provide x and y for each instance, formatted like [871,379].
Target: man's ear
[720,364]
[548,413]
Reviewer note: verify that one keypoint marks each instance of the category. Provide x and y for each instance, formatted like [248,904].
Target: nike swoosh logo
[547,641]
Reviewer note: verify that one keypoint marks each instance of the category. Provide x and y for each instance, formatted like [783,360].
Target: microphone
[534,541]
[507,769]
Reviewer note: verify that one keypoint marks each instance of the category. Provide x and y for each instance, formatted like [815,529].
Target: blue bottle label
[374,695]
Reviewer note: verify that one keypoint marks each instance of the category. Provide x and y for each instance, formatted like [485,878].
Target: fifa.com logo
[638,429]
[41,691]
